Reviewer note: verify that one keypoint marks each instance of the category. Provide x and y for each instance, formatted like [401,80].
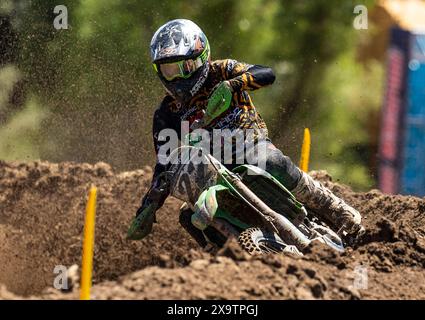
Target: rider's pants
[276,163]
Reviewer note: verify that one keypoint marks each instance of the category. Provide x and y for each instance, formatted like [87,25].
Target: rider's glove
[141,225]
[218,102]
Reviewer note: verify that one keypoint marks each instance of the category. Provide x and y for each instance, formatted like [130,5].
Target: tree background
[88,93]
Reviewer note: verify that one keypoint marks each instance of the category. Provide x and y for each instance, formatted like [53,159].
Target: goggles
[181,69]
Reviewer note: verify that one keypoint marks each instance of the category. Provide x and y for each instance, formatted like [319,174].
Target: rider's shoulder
[168,104]
[225,67]
[223,63]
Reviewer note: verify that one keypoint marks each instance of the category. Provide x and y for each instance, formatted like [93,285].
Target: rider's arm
[161,120]
[243,76]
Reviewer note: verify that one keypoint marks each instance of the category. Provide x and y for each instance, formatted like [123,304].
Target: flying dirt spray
[88,245]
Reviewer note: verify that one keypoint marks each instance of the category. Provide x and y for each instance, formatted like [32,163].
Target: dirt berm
[42,209]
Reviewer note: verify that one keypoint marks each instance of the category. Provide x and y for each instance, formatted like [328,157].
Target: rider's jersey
[241,114]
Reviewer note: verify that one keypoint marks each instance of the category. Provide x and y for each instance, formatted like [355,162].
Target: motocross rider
[180,54]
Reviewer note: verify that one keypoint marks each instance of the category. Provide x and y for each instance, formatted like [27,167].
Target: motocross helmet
[180,55]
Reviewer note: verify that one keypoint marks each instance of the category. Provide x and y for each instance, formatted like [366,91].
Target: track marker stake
[305,151]
[88,245]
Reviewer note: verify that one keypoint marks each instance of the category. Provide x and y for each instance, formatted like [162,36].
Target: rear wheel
[257,241]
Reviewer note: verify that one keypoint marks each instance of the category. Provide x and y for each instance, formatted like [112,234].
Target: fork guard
[207,209]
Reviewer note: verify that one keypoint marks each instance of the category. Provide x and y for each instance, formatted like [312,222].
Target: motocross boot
[185,221]
[327,205]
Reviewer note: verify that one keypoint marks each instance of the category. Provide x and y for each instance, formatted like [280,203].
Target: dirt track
[41,222]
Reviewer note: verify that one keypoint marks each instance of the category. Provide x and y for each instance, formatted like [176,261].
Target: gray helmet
[180,55]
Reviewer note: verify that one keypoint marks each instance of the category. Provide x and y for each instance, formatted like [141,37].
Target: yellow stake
[88,245]
[305,151]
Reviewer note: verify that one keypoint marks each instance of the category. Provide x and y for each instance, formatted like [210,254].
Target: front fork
[222,226]
[225,228]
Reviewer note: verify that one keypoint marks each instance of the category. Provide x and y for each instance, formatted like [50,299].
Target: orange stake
[88,246]
[305,151]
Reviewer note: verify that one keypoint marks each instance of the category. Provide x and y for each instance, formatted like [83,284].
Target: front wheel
[257,241]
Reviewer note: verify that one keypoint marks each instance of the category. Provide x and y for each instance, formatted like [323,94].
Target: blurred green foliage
[91,91]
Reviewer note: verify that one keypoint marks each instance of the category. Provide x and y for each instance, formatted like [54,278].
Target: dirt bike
[247,203]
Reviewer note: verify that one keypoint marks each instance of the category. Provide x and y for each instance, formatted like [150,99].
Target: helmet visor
[183,68]
[180,69]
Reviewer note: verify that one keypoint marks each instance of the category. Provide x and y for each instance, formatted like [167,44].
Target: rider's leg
[325,203]
[280,166]
[185,221]
[309,191]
